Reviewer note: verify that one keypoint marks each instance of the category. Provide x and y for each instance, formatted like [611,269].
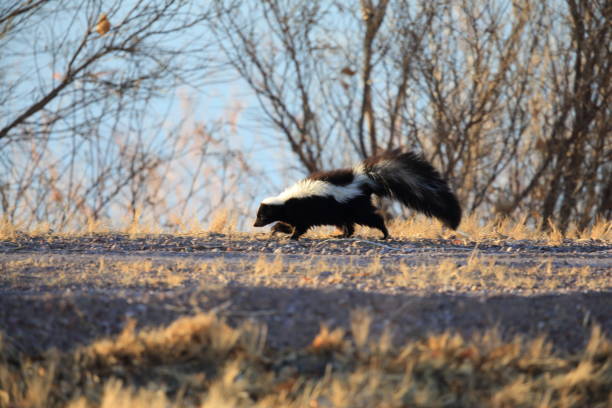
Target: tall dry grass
[476,229]
[473,228]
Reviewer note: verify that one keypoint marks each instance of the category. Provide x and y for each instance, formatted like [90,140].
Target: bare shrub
[510,99]
[86,129]
[507,98]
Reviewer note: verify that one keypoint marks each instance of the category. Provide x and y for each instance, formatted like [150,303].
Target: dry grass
[8,231]
[487,274]
[476,272]
[56,271]
[472,229]
[200,361]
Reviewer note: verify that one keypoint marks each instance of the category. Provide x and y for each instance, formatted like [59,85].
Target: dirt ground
[64,291]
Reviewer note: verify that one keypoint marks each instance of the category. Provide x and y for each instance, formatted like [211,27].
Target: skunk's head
[267,214]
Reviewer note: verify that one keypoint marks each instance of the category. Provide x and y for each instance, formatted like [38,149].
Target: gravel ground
[64,291]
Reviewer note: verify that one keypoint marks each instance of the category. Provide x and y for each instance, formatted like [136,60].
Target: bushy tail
[410,179]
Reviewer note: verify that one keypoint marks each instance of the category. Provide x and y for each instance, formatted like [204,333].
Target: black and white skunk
[343,197]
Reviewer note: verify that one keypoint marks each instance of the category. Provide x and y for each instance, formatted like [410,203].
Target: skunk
[343,197]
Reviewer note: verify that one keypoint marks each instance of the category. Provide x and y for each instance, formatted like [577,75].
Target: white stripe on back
[320,188]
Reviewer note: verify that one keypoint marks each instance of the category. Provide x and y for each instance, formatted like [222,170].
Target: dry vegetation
[127,277]
[201,361]
[489,273]
[209,319]
[508,99]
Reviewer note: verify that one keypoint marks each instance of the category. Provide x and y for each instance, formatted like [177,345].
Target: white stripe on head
[320,188]
[273,201]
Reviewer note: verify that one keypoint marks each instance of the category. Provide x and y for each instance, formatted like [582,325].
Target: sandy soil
[56,291]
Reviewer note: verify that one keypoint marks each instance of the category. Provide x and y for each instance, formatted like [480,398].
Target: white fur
[320,188]
[359,169]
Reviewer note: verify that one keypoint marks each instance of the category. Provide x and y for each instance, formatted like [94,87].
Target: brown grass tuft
[222,221]
[328,340]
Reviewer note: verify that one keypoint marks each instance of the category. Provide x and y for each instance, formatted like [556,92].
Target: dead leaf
[103,25]
[348,71]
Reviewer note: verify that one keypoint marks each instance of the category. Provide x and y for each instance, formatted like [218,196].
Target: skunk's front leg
[282,228]
[299,231]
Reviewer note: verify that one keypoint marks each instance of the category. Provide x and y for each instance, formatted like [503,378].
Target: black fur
[340,177]
[303,213]
[436,199]
[407,177]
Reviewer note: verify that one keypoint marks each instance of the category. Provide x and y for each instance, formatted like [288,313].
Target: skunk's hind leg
[347,230]
[374,220]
